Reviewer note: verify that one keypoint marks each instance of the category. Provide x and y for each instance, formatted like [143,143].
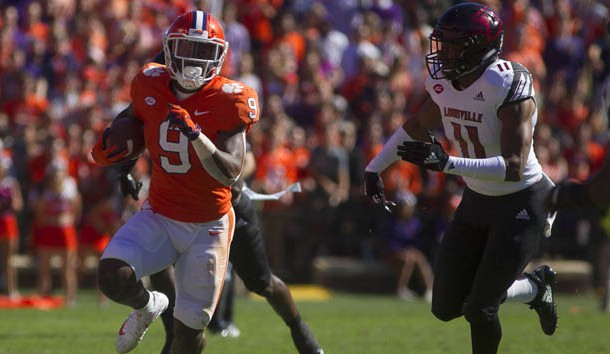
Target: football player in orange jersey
[248,256]
[195,123]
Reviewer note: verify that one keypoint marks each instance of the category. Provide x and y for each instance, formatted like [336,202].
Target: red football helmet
[466,38]
[195,48]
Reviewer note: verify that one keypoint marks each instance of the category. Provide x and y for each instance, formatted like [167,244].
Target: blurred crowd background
[335,78]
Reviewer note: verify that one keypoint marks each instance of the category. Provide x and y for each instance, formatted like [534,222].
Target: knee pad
[478,314]
[261,283]
[260,287]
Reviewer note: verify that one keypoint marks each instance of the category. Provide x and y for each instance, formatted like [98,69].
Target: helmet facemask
[455,57]
[193,60]
[467,38]
[446,57]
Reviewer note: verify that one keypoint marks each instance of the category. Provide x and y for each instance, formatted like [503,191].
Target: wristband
[490,169]
[204,147]
[387,155]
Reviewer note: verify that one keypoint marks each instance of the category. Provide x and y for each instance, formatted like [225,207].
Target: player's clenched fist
[180,118]
[106,155]
[373,190]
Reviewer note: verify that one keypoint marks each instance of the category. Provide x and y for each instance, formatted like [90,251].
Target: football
[128,134]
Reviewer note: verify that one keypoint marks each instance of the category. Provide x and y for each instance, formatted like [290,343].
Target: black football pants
[486,247]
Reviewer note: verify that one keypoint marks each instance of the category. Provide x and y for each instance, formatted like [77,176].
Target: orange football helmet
[195,49]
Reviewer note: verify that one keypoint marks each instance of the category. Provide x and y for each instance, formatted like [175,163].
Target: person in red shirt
[56,211]
[11,202]
[194,123]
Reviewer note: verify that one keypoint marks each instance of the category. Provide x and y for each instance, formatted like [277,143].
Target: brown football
[128,134]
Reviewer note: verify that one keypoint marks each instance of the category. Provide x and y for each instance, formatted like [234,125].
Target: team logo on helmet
[195,49]
[150,100]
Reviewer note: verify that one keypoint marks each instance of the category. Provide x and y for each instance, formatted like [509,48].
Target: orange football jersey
[180,188]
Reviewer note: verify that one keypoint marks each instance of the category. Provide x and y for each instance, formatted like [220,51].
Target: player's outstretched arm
[428,117]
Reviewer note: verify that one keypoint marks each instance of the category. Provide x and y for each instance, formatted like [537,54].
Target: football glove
[180,118]
[106,156]
[129,186]
[430,155]
[373,190]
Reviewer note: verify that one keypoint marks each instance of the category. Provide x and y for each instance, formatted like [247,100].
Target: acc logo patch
[150,100]
[232,88]
[438,88]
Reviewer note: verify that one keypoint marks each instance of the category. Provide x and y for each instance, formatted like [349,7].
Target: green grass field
[344,324]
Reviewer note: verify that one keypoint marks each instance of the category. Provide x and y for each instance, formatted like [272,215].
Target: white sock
[149,306]
[522,290]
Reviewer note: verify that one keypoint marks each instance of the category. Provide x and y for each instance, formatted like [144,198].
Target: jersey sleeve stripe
[522,85]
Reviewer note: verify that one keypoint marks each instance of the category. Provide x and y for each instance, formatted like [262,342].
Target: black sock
[294,322]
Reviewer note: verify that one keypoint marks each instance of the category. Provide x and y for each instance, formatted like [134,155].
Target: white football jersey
[471,123]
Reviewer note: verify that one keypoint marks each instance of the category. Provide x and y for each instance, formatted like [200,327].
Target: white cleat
[135,326]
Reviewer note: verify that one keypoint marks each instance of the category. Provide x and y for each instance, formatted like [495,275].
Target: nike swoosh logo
[197,113]
[121,329]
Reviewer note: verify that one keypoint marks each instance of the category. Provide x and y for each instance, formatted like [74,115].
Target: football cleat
[230,332]
[134,328]
[544,303]
[304,339]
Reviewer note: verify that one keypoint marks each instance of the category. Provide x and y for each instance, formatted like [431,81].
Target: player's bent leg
[187,340]
[485,329]
[277,294]
[117,281]
[134,328]
[544,303]
[279,297]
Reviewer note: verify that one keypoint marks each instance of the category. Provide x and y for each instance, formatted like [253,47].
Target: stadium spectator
[238,36]
[498,226]
[403,247]
[329,169]
[276,170]
[100,222]
[57,210]
[11,202]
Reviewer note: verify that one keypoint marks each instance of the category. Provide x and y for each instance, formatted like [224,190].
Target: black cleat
[544,303]
[304,339]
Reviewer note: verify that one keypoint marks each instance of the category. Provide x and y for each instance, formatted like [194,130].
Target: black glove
[568,195]
[430,155]
[373,189]
[129,186]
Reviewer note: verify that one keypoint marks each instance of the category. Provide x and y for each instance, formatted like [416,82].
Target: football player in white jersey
[487,108]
